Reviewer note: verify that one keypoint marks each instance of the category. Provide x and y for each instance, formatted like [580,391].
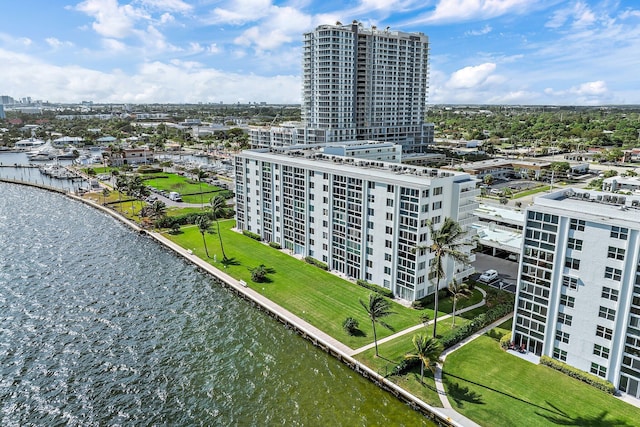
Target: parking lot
[507,270]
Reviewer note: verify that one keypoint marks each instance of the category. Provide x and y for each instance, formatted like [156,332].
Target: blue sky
[171,51]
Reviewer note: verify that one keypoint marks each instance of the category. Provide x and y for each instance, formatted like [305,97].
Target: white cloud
[464,10]
[168,82]
[588,93]
[484,30]
[56,44]
[282,25]
[237,12]
[111,19]
[113,46]
[172,5]
[471,76]
[579,15]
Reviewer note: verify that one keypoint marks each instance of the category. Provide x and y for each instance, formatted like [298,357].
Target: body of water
[102,326]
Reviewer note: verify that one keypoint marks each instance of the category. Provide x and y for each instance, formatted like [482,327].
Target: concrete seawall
[443,417]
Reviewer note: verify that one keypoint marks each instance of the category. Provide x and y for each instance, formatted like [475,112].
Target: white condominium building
[578,297]
[360,84]
[363,218]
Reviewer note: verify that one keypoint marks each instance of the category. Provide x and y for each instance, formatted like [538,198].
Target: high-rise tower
[360,84]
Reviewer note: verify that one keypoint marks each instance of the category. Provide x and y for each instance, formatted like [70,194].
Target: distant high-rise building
[578,297]
[2,115]
[361,84]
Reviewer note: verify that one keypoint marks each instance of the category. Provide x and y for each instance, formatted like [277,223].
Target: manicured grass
[531,191]
[495,388]
[191,191]
[321,298]
[393,352]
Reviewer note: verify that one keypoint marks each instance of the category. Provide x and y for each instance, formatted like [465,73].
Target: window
[609,293]
[370,225]
[387,257]
[389,216]
[615,253]
[388,244]
[389,230]
[607,313]
[559,354]
[567,301]
[598,370]
[572,263]
[619,233]
[570,282]
[436,205]
[576,224]
[387,270]
[612,273]
[562,337]
[575,244]
[437,191]
[603,332]
[390,202]
[565,319]
[601,351]
[436,219]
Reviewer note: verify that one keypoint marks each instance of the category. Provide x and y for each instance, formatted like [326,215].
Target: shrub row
[254,236]
[313,261]
[404,366]
[373,287]
[275,245]
[454,336]
[576,373]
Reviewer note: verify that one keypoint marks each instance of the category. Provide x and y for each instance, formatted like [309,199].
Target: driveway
[507,270]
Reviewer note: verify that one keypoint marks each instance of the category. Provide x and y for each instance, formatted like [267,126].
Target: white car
[488,276]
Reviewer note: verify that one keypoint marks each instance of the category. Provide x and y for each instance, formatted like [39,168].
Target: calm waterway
[102,326]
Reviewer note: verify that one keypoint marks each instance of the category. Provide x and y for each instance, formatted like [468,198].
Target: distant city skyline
[551,52]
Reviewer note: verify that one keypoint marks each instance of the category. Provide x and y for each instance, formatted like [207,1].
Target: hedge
[454,336]
[313,261]
[275,245]
[373,287]
[254,236]
[578,374]
[404,366]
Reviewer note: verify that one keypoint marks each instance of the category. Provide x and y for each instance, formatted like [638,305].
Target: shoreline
[441,416]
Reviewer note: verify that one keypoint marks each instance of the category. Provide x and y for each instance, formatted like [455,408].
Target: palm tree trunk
[453,315]
[224,256]
[421,372]
[435,308]
[205,246]
[375,338]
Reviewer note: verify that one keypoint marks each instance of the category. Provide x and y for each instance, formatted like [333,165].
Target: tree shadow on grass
[229,261]
[583,421]
[553,409]
[462,394]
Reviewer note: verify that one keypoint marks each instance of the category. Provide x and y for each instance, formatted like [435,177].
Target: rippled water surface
[101,326]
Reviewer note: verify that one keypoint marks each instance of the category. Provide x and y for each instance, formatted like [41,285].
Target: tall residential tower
[360,84]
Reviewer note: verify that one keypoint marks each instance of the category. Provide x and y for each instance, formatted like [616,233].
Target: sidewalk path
[420,326]
[438,374]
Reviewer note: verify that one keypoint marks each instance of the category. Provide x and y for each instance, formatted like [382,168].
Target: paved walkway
[420,326]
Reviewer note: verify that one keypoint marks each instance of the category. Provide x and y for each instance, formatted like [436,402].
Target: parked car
[488,276]
[175,196]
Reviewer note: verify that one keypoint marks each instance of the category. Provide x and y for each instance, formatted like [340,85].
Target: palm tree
[218,207]
[428,351]
[201,175]
[377,308]
[446,242]
[203,224]
[105,194]
[458,291]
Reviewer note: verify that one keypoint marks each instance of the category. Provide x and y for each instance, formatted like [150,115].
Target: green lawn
[318,297]
[392,353]
[531,191]
[495,388]
[190,190]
